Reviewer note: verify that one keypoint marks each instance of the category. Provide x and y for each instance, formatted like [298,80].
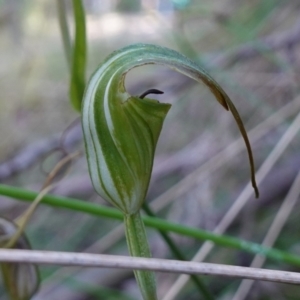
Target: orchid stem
[138,246]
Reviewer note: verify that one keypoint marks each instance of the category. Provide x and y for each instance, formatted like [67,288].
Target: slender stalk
[178,254]
[138,247]
[22,221]
[79,52]
[99,210]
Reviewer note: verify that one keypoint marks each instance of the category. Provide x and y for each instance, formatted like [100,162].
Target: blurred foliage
[229,38]
[128,6]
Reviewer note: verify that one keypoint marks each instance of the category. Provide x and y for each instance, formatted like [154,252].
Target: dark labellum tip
[151,91]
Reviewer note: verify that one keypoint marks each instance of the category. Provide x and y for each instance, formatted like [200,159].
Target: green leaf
[77,84]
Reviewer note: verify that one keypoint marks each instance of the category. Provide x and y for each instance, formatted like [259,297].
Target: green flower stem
[138,246]
[99,210]
[178,254]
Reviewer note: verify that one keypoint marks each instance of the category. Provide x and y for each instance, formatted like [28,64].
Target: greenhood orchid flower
[121,132]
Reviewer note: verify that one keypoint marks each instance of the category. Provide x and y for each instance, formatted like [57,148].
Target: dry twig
[133,263]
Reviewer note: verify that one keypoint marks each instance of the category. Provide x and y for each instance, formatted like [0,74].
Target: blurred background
[201,167]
